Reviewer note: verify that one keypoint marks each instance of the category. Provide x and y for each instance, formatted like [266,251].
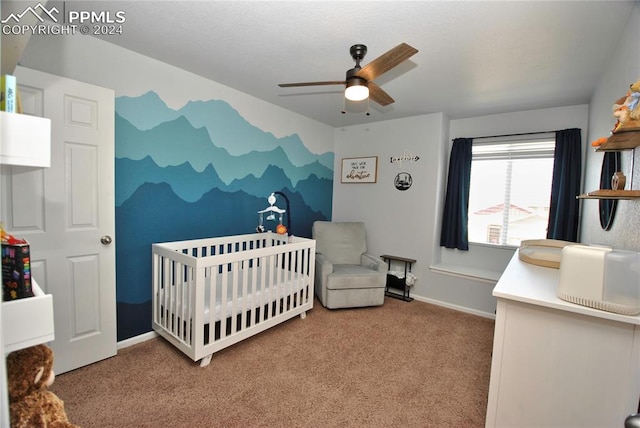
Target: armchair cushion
[346,277]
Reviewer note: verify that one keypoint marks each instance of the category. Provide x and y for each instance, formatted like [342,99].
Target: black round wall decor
[402,181]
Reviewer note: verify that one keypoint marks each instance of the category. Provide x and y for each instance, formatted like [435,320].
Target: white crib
[211,293]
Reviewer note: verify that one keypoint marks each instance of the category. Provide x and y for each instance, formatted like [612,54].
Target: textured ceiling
[475,57]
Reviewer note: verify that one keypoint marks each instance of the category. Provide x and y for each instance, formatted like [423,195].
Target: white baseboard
[136,339]
[455,307]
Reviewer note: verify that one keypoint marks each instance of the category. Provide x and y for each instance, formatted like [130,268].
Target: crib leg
[206,360]
[303,315]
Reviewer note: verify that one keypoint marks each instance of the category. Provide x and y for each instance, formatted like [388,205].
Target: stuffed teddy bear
[627,109]
[29,374]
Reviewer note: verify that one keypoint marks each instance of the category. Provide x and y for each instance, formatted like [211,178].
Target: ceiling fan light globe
[356,92]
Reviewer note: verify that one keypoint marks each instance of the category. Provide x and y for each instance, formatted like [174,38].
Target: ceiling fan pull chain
[344,106]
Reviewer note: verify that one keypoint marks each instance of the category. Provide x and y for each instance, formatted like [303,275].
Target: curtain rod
[512,135]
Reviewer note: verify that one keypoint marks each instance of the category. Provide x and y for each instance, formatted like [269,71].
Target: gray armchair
[346,276]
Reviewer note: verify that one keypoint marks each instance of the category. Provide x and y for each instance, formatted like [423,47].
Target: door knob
[106,240]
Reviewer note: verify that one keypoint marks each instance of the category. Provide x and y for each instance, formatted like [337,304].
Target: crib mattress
[263,286]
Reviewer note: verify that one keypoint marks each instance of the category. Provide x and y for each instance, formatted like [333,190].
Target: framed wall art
[360,170]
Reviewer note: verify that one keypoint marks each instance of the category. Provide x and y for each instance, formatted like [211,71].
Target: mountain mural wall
[200,171]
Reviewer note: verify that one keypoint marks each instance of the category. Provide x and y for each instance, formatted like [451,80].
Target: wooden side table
[398,283]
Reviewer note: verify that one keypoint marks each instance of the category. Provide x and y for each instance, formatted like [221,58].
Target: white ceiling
[475,57]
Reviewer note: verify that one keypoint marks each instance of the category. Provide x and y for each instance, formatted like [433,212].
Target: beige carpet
[398,365]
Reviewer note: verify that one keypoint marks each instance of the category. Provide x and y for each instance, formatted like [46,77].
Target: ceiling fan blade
[387,61]
[378,95]
[333,82]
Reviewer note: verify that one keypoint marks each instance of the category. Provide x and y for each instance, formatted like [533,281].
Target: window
[510,190]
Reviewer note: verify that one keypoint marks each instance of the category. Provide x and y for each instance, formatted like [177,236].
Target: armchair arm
[323,267]
[374,263]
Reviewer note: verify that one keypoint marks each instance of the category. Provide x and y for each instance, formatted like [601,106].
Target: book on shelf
[8,96]
[18,101]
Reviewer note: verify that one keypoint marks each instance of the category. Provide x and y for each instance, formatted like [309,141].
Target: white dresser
[558,364]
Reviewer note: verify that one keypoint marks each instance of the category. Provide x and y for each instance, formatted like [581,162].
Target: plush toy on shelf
[626,110]
[29,374]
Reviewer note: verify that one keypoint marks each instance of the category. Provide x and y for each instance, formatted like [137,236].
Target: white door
[66,212]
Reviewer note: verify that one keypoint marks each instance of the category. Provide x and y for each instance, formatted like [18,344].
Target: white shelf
[27,322]
[25,140]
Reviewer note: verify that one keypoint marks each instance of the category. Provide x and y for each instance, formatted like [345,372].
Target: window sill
[481,275]
[498,246]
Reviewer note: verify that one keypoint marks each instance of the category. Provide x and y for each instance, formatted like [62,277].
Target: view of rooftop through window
[510,191]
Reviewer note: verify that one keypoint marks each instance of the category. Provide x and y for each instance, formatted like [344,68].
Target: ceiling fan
[359,80]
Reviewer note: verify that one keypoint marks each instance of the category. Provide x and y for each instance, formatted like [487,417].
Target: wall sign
[360,170]
[403,181]
[405,157]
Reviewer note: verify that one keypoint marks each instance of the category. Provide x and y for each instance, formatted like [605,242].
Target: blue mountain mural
[201,171]
[226,127]
[190,185]
[146,111]
[186,182]
[177,142]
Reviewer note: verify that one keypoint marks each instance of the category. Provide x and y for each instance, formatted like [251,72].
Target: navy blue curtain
[454,233]
[567,166]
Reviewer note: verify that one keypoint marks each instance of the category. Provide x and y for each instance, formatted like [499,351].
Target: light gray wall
[398,222]
[407,223]
[623,69]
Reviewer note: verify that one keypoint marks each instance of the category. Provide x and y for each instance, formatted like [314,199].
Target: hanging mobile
[272,210]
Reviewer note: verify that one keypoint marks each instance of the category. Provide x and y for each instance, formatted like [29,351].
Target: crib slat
[295,280]
[304,271]
[275,274]
[175,309]
[223,302]
[246,304]
[234,296]
[279,284]
[169,282]
[302,284]
[195,311]
[263,287]
[189,298]
[270,293]
[213,292]
[155,280]
[183,308]
[255,291]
